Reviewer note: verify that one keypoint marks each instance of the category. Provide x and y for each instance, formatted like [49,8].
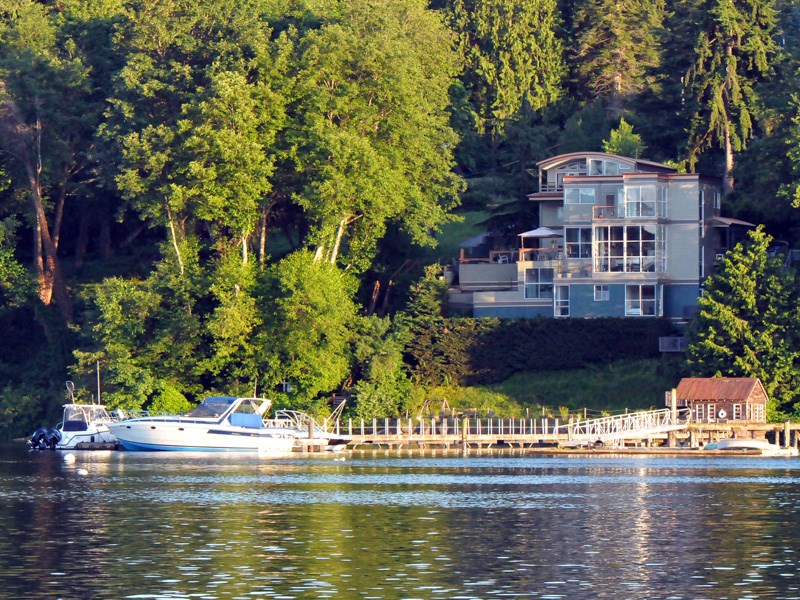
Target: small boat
[223,424]
[762,446]
[83,427]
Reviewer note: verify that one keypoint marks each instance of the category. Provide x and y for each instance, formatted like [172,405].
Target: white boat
[762,446]
[222,424]
[83,426]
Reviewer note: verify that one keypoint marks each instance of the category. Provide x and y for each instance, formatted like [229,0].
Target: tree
[513,58]
[193,118]
[733,53]
[623,141]
[371,137]
[383,388]
[307,311]
[748,322]
[46,115]
[617,48]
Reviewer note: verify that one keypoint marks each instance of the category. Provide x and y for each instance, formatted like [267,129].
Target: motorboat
[223,424]
[83,426]
[762,446]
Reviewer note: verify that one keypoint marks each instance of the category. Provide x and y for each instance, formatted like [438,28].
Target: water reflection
[391,526]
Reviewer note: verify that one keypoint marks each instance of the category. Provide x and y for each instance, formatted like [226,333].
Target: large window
[579,195]
[629,249]
[640,301]
[640,201]
[538,283]
[579,242]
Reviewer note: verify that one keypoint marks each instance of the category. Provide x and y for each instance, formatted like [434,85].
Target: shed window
[737,411]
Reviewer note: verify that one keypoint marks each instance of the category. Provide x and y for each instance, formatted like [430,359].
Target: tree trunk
[82,243]
[262,242]
[51,282]
[727,181]
[175,239]
[338,242]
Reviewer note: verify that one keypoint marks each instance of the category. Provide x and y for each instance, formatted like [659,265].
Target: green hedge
[483,351]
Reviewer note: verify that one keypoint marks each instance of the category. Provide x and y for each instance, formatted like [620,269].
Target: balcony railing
[607,212]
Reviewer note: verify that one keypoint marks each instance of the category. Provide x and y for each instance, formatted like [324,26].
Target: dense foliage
[748,323]
[203,195]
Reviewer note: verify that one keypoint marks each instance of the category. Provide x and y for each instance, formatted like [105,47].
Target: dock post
[464,430]
[786,434]
[311,432]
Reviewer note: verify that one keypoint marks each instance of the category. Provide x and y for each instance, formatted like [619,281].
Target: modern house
[618,237]
[714,399]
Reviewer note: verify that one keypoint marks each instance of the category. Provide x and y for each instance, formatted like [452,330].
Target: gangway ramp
[618,428]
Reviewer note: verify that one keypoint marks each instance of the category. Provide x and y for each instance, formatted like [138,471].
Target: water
[385,525]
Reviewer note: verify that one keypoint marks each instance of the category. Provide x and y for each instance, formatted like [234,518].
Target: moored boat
[83,426]
[762,446]
[221,424]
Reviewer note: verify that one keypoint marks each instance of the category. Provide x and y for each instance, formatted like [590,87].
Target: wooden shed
[734,399]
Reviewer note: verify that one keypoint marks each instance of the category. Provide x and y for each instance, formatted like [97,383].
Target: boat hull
[183,436]
[762,446]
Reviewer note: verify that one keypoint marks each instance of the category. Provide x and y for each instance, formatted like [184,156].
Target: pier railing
[513,431]
[448,430]
[621,427]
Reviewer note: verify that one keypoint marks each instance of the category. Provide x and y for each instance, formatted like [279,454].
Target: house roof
[553,161]
[717,388]
[728,221]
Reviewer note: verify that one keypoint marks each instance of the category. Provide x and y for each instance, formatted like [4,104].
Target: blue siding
[680,297]
[514,312]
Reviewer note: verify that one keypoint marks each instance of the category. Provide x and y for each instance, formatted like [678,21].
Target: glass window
[579,195]
[578,242]
[640,300]
[561,301]
[640,201]
[601,293]
[538,283]
[630,249]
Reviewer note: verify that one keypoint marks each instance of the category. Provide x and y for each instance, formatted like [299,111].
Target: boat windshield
[75,412]
[211,407]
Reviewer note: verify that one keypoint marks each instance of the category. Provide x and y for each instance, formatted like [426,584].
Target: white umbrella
[540,232]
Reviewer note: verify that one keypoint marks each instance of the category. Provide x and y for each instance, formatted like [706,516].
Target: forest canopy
[203,195]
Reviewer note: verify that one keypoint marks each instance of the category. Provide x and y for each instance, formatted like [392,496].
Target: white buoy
[83,472]
[69,457]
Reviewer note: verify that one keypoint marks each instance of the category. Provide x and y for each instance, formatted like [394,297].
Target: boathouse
[720,399]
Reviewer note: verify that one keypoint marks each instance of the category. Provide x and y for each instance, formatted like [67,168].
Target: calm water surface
[384,525]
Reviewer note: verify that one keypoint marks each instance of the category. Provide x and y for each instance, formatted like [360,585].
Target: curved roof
[554,161]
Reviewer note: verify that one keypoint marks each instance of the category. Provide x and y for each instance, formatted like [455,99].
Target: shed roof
[717,388]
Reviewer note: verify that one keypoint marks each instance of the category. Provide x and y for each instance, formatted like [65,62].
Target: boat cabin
[720,399]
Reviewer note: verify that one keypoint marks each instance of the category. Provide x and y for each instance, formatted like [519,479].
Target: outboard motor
[45,439]
[52,438]
[36,440]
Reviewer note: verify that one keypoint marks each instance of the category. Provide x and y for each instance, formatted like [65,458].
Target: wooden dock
[466,433]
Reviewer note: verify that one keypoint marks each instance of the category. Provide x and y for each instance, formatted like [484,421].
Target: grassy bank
[609,388]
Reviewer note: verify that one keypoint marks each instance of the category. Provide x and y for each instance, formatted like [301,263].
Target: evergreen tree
[624,142]
[748,322]
[733,53]
[513,58]
[617,48]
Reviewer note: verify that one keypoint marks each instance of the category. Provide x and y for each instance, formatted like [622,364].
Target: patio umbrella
[541,232]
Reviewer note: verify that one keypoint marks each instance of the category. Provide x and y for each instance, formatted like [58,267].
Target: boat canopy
[213,406]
